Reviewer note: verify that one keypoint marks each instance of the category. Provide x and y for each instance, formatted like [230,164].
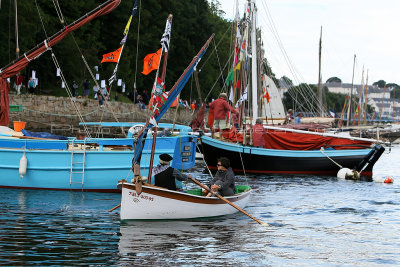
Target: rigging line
[16,28]
[219,65]
[41,20]
[93,77]
[137,44]
[212,88]
[212,52]
[286,57]
[58,10]
[55,61]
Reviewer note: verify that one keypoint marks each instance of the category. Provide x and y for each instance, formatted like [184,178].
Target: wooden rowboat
[156,203]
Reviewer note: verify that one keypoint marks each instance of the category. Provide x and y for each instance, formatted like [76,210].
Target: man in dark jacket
[224,179]
[164,174]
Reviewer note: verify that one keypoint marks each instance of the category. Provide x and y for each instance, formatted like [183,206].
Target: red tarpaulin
[23,61]
[300,141]
[305,141]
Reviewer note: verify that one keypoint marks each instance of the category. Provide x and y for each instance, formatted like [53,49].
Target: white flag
[231,95]
[97,76]
[62,85]
[103,84]
[58,72]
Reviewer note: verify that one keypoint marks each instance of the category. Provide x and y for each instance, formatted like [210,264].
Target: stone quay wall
[62,115]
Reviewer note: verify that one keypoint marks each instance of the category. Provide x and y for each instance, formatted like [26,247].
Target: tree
[334,80]
[380,83]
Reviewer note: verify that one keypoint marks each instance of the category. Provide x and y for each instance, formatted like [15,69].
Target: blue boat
[86,165]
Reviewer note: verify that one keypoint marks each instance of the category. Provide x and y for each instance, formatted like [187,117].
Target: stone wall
[61,115]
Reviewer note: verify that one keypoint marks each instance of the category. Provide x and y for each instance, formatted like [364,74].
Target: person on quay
[18,83]
[165,175]
[297,120]
[31,86]
[221,108]
[224,179]
[289,117]
[258,134]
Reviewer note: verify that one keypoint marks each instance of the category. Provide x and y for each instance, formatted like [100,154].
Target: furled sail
[19,64]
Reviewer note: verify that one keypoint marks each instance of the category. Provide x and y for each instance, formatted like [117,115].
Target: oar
[227,201]
[116,207]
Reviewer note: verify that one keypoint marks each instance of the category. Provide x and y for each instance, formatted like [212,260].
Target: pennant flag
[151,62]
[166,36]
[242,98]
[332,113]
[237,85]
[230,77]
[231,95]
[112,57]
[237,66]
[123,41]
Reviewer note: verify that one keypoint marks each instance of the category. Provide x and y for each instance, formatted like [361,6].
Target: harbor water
[312,220]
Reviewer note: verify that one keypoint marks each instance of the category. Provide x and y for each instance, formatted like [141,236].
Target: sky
[368,29]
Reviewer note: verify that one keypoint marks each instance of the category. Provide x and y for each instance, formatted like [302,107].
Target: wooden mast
[383,100]
[365,102]
[319,77]
[359,109]
[163,73]
[349,112]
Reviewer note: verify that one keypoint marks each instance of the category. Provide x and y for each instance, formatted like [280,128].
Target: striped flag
[166,36]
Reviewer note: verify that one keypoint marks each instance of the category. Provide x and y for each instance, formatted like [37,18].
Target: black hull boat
[278,161]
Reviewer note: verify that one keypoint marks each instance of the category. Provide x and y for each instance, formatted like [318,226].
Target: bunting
[151,62]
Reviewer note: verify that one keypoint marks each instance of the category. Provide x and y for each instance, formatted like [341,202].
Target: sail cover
[20,63]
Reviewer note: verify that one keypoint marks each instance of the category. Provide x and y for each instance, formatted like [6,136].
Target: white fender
[346,173]
[23,163]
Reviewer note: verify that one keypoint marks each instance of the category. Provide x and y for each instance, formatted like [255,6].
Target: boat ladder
[77,165]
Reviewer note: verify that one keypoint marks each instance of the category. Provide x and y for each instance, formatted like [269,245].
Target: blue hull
[104,162]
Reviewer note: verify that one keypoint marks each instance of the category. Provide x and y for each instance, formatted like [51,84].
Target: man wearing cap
[221,108]
[164,174]
[289,116]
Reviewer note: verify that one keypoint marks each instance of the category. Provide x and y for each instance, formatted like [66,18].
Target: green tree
[380,83]
[334,80]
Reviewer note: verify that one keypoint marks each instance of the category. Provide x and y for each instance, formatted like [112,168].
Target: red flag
[151,62]
[112,57]
[267,96]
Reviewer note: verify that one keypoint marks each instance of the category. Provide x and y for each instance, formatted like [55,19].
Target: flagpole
[165,38]
[123,41]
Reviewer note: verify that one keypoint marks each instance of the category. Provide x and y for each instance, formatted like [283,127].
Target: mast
[254,95]
[394,98]
[361,95]
[165,45]
[349,112]
[365,102]
[319,76]
[383,100]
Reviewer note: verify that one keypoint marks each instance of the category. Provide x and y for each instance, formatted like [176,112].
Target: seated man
[164,174]
[224,179]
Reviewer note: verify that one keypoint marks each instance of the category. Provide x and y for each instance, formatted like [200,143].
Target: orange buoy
[388,180]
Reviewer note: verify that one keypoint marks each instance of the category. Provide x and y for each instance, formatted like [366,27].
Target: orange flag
[151,62]
[112,57]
